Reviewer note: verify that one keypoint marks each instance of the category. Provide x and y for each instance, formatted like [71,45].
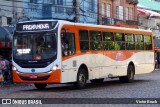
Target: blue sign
[33,70]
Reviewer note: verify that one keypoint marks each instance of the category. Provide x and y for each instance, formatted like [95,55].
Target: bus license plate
[33,76]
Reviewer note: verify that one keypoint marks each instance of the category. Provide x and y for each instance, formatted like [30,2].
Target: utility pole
[14,11]
[77,12]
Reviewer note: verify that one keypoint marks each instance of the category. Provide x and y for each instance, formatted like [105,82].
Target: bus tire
[40,86]
[97,80]
[130,75]
[81,79]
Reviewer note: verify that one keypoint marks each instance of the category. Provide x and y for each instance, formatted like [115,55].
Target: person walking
[1,74]
[4,70]
[158,59]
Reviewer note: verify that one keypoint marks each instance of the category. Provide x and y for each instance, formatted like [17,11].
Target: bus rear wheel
[130,75]
[40,86]
[81,79]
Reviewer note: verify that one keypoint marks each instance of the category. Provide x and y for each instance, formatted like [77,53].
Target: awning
[149,13]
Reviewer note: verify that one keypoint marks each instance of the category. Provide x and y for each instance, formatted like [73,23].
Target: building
[84,11]
[149,16]
[13,11]
[118,13]
[10,12]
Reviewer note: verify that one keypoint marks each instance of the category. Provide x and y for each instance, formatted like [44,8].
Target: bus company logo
[33,70]
[6,101]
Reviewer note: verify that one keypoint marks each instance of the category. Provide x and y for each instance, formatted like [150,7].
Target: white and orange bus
[54,51]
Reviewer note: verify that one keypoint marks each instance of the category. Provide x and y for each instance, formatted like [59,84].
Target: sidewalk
[157,69]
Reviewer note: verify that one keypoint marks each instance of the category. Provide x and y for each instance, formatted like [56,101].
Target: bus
[55,51]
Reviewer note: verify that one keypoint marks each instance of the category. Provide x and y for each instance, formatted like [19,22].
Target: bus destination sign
[34,26]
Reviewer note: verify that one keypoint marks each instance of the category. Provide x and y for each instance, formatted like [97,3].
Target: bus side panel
[144,62]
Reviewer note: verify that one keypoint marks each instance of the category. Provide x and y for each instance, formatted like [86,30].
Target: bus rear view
[35,53]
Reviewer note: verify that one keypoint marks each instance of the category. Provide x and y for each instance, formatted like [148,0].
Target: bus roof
[63,22]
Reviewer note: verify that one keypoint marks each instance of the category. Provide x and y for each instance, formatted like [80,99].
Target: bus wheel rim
[81,78]
[131,74]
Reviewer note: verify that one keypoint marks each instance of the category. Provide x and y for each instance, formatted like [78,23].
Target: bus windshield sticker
[23,51]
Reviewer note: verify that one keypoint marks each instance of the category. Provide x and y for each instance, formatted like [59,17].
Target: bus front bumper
[47,78]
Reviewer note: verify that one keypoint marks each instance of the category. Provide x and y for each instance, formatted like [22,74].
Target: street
[144,86]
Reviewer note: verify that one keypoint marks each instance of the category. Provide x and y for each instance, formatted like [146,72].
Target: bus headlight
[14,68]
[54,68]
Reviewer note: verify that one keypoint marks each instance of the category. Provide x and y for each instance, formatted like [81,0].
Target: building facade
[105,12]
[84,10]
[13,11]
[146,21]
[10,12]
[118,12]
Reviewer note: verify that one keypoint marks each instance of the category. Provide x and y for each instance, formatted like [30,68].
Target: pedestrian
[4,70]
[8,71]
[1,75]
[158,59]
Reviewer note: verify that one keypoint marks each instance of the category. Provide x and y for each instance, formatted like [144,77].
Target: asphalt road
[144,86]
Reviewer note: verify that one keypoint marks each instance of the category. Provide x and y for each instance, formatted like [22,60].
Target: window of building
[108,41]
[131,13]
[103,9]
[58,9]
[33,1]
[148,42]
[130,43]
[91,5]
[68,43]
[108,12]
[139,42]
[84,40]
[95,40]
[127,13]
[9,20]
[119,12]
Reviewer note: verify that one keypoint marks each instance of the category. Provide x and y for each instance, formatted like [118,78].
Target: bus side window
[68,44]
[84,40]
[148,42]
[108,41]
[130,43]
[119,41]
[95,40]
[139,42]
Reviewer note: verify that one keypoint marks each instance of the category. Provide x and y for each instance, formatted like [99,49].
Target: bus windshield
[34,46]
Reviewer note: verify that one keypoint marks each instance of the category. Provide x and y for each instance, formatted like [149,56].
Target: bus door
[68,61]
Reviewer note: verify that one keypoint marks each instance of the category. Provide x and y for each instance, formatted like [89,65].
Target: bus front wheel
[130,75]
[81,79]
[40,86]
